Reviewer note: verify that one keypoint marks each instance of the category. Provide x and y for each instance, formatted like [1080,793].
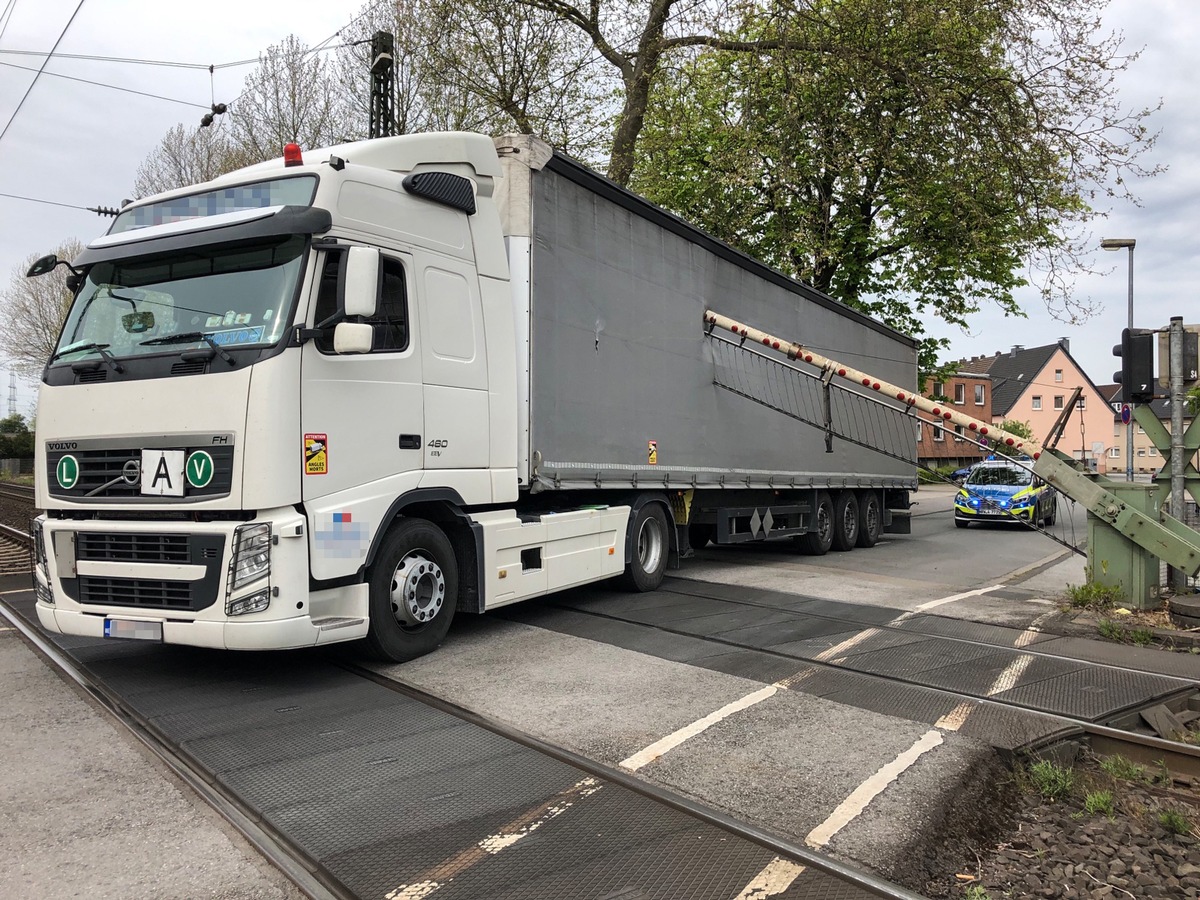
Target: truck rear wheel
[413,591]
[845,521]
[648,549]
[818,541]
[870,519]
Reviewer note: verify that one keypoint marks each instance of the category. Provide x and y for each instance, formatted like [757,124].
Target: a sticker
[316,454]
[248,335]
[341,536]
[652,452]
[67,472]
[199,469]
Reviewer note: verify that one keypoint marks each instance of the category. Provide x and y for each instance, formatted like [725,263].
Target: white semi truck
[346,394]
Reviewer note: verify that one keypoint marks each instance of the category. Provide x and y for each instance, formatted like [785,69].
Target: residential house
[1146,458]
[1033,386]
[937,446]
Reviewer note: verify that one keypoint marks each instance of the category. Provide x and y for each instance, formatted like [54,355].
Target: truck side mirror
[361,286]
[352,337]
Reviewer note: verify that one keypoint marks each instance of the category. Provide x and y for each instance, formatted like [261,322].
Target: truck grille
[205,550]
[139,592]
[152,548]
[101,471]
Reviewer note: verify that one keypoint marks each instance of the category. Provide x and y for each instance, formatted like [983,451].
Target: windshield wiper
[190,337]
[102,349]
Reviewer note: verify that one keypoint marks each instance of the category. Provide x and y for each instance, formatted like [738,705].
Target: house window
[1141,451]
[1114,452]
[979,395]
[1037,402]
[960,394]
[1141,430]
[958,433]
[938,434]
[1058,375]
[1153,451]
[1058,401]
[938,388]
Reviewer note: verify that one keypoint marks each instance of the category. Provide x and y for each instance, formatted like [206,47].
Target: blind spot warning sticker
[316,454]
[652,452]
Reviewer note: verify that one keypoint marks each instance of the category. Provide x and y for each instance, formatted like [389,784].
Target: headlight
[256,602]
[39,547]
[251,554]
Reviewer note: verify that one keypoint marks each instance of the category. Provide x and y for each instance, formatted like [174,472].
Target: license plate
[991,511]
[131,629]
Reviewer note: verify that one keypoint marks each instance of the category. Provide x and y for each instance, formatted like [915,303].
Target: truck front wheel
[648,549]
[413,591]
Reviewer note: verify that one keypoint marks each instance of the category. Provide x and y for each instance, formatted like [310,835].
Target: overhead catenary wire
[45,62]
[111,87]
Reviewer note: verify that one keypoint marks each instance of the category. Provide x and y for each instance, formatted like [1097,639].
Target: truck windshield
[229,295]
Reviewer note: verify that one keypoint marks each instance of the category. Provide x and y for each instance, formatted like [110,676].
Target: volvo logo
[53,446]
[131,472]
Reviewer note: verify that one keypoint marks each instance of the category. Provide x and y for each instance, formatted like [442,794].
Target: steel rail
[872,884]
[23,492]
[311,878]
[308,876]
[16,535]
[1178,756]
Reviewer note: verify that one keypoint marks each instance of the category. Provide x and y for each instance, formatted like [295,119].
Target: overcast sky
[80,145]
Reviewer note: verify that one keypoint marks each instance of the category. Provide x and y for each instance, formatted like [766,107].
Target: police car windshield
[1006,476]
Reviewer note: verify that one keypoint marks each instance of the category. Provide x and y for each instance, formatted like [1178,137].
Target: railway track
[21,492]
[14,551]
[858,633]
[696,850]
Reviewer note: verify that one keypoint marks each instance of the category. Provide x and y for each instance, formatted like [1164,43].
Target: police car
[997,490]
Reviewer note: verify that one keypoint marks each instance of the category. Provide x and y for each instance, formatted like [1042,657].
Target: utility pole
[12,393]
[1178,463]
[383,85]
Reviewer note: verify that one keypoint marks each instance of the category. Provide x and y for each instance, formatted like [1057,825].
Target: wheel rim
[871,519]
[418,590]
[824,524]
[850,521]
[650,545]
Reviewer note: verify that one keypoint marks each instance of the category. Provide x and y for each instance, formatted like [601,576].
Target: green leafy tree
[913,160]
[1022,430]
[33,311]
[16,440]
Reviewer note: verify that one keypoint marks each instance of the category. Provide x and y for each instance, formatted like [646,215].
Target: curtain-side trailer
[346,394]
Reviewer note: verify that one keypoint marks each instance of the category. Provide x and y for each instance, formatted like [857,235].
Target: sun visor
[245,225]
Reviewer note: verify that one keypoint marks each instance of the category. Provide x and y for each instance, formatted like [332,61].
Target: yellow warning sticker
[316,454]
[652,452]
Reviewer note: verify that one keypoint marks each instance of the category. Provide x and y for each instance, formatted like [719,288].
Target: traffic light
[1137,365]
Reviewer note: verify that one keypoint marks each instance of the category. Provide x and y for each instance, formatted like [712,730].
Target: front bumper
[177,574]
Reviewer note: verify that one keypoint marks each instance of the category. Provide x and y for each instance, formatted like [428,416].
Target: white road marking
[838,649]
[793,680]
[441,875]
[20,591]
[673,740]
[862,795]
[776,878]
[1007,679]
[954,720]
[933,604]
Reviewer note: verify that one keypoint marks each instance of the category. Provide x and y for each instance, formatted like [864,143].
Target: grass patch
[1174,821]
[1122,768]
[1099,803]
[1052,781]
[1111,630]
[1091,595]
[1143,637]
[976,892]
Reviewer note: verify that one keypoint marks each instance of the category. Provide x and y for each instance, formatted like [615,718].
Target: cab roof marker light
[292,156]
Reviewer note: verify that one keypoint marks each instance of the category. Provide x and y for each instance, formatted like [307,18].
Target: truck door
[363,414]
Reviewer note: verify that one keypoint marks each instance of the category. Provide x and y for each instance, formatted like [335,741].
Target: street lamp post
[1121,244]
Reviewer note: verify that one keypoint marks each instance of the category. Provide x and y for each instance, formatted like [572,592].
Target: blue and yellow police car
[999,490]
